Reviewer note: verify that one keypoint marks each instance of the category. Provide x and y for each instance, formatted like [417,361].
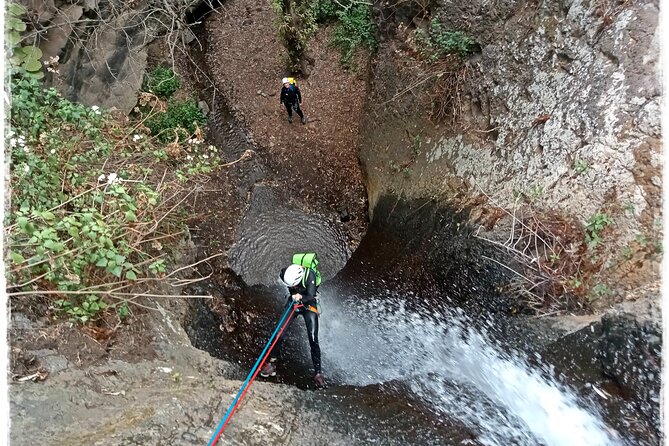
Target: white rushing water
[458,372]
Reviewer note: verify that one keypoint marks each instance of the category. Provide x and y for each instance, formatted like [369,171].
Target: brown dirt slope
[317,163]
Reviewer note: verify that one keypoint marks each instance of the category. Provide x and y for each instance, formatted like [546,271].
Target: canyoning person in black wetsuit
[302,285]
[291,98]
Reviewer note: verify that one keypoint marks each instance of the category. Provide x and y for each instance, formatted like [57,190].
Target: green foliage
[598,291]
[416,142]
[28,58]
[581,167]
[295,23]
[354,29]
[158,267]
[627,253]
[181,120]
[200,160]
[82,310]
[23,59]
[535,192]
[82,216]
[651,245]
[438,42]
[123,311]
[326,11]
[162,81]
[595,225]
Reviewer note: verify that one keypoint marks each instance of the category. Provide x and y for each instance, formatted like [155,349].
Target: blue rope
[248,378]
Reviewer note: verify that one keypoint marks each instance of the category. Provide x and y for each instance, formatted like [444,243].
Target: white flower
[53,151]
[188,157]
[12,142]
[112,178]
[96,109]
[101,177]
[212,148]
[205,156]
[136,137]
[26,168]
[26,149]
[21,140]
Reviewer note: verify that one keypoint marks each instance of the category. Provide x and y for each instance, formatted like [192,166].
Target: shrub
[181,120]
[354,29]
[295,23]
[87,199]
[438,42]
[594,226]
[326,11]
[162,81]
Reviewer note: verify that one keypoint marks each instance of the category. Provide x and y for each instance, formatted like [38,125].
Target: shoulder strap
[305,277]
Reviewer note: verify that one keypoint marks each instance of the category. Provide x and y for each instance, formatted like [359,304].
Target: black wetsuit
[310,313]
[292,98]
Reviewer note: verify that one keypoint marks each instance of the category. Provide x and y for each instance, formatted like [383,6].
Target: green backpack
[309,261]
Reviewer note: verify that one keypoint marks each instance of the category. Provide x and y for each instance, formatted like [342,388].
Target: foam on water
[459,372]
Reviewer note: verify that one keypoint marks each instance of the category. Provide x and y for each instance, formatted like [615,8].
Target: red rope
[256,372]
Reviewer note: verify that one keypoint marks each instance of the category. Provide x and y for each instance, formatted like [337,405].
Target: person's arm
[282,96]
[305,295]
[299,95]
[309,295]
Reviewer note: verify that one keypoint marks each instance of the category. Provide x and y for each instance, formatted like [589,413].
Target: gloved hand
[297,297]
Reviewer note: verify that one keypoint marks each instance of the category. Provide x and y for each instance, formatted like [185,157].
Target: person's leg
[289,109]
[311,321]
[298,110]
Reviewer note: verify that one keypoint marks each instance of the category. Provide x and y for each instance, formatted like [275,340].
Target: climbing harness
[283,323]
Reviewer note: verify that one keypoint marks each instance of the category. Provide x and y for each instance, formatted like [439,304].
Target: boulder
[630,350]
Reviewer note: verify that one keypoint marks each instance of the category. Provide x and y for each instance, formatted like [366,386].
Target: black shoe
[269,369]
[303,120]
[290,119]
[319,379]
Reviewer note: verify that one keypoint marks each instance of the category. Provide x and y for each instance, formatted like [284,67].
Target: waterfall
[458,371]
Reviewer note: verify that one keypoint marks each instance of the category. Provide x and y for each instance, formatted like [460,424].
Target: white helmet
[293,275]
[284,80]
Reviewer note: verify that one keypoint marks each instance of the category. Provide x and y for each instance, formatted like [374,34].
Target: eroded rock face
[563,98]
[101,45]
[560,106]
[569,97]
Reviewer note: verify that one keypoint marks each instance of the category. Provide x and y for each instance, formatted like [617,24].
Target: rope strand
[254,372]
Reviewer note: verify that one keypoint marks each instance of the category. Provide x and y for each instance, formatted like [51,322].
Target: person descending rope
[291,98]
[302,279]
